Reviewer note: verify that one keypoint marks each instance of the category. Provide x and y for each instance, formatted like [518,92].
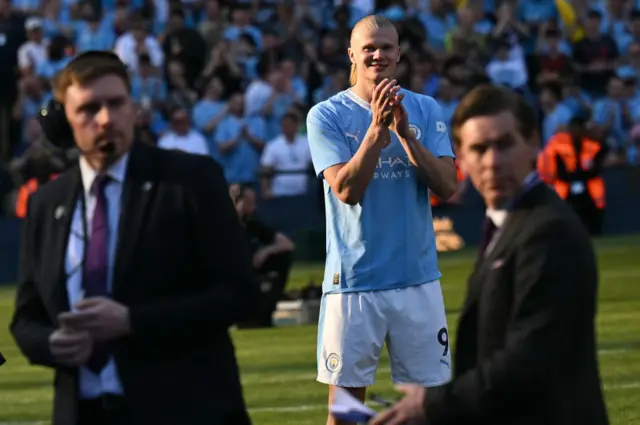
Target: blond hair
[368,22]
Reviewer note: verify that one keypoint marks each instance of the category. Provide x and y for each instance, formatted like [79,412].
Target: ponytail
[353,77]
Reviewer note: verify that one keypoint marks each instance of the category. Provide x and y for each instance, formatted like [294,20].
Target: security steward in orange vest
[25,191]
[572,163]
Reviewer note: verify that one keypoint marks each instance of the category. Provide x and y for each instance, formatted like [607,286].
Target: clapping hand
[400,123]
[385,96]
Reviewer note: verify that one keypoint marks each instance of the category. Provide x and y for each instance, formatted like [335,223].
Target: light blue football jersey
[387,240]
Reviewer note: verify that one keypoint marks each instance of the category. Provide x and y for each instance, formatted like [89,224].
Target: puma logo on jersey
[353,136]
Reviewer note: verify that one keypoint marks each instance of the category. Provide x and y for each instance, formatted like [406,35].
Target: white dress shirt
[92,385]
[499,217]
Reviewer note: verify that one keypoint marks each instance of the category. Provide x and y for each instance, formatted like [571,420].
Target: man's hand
[71,347]
[400,123]
[408,411]
[104,318]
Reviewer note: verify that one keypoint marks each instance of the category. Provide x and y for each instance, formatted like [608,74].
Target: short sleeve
[437,140]
[257,128]
[327,144]
[268,158]
[223,132]
[600,115]
[199,116]
[23,57]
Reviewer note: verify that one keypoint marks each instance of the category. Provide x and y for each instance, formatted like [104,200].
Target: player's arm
[435,161]
[350,180]
[348,176]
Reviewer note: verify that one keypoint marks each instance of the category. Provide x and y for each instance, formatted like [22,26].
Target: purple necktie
[96,265]
[488,230]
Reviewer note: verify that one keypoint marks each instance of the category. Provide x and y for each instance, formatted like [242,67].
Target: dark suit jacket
[525,350]
[183,269]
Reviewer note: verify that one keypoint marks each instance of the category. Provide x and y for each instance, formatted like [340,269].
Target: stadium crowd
[234,79]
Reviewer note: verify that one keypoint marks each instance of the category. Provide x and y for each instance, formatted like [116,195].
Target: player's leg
[418,339]
[351,333]
[359,393]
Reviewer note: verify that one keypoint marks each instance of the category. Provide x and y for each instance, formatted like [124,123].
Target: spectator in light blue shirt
[247,56]
[57,19]
[437,23]
[447,100]
[289,70]
[94,34]
[630,35]
[241,24]
[610,114]
[57,57]
[32,98]
[28,7]
[147,86]
[282,98]
[537,12]
[209,112]
[239,143]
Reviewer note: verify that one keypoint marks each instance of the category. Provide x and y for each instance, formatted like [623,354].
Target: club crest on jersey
[415,130]
[333,362]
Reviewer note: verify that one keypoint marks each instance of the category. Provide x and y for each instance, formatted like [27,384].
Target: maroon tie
[488,230]
[96,265]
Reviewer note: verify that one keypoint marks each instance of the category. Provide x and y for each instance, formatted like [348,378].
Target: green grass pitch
[278,365]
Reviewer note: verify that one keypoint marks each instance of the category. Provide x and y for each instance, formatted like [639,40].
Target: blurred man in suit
[525,350]
[134,316]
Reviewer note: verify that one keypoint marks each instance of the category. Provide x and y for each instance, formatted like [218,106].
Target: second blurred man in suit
[525,349]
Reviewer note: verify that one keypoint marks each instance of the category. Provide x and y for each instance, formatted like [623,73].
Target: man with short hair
[379,151]
[133,267]
[525,350]
[272,253]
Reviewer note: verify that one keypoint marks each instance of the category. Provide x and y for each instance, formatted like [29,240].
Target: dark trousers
[273,276]
[107,410]
[591,216]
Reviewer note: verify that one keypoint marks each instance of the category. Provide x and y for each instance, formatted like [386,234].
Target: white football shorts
[353,327]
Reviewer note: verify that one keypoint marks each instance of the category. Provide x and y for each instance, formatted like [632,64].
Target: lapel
[510,230]
[139,188]
[62,214]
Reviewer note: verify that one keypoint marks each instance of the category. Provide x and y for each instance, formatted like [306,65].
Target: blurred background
[234,80]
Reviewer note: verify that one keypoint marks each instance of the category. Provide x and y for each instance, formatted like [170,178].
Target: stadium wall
[302,217]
